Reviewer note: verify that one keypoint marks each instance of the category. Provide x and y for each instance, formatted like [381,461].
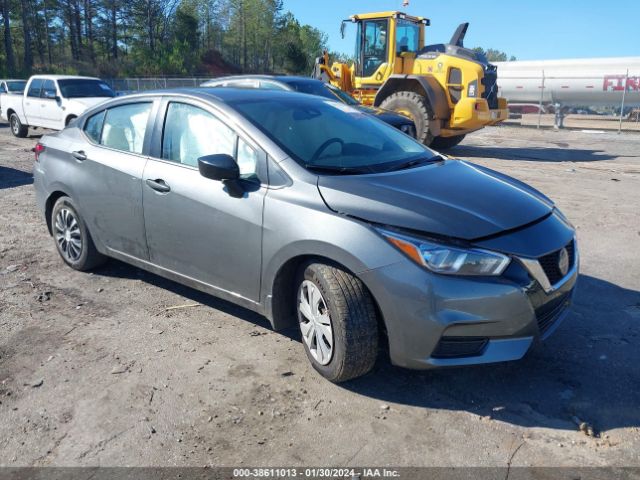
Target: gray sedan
[314,214]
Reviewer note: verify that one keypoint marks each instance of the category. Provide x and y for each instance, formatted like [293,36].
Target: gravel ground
[99,369]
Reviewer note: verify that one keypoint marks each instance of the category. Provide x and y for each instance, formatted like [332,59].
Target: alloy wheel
[68,235]
[315,322]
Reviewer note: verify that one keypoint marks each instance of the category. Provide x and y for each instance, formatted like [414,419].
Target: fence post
[624,94]
[138,83]
[541,98]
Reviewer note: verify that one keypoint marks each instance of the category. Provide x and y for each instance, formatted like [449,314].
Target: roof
[278,78]
[224,95]
[387,14]
[12,80]
[65,77]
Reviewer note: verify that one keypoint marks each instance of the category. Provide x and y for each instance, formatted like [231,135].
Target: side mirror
[218,167]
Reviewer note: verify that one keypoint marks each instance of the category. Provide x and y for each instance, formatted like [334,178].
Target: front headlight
[446,259]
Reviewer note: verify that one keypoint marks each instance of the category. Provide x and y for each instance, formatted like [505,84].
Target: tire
[17,128]
[69,119]
[347,308]
[415,106]
[65,218]
[443,143]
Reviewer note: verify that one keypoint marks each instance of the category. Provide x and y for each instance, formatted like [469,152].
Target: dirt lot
[96,369]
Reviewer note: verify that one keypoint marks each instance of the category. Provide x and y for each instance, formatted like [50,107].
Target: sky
[528,29]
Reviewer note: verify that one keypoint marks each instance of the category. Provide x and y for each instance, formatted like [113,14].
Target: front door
[194,227]
[373,53]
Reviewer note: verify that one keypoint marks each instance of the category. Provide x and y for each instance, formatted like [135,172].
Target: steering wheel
[324,146]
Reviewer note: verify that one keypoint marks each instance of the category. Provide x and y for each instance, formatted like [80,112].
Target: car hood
[451,198]
[387,116]
[89,101]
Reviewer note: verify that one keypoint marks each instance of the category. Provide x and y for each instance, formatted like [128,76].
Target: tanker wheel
[414,106]
[442,143]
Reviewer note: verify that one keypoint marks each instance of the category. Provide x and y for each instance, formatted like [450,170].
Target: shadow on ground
[11,178]
[117,269]
[589,369]
[534,154]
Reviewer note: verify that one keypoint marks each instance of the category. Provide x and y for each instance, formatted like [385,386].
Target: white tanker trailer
[574,82]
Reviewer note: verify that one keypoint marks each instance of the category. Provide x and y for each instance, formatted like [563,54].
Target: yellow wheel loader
[446,89]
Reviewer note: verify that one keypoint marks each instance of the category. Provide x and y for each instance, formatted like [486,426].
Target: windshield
[322,89]
[325,135]
[16,87]
[81,88]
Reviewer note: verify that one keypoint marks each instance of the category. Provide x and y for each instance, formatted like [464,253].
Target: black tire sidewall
[443,143]
[66,202]
[408,101]
[332,369]
[18,131]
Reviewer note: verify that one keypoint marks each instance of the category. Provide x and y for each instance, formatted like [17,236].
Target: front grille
[456,347]
[549,263]
[547,314]
[490,82]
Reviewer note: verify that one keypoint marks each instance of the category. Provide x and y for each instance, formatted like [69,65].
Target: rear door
[51,112]
[110,160]
[194,227]
[31,102]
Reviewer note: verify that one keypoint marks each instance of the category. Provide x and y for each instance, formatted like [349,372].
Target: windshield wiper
[415,162]
[336,169]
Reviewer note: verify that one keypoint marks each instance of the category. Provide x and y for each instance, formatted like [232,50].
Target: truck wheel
[442,143]
[414,106]
[73,241]
[17,128]
[338,322]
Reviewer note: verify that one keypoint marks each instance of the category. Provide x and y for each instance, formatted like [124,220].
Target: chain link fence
[126,85]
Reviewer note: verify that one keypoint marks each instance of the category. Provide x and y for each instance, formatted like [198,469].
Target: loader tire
[416,107]
[443,143]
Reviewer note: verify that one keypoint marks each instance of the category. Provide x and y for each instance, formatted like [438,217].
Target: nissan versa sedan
[312,213]
[313,87]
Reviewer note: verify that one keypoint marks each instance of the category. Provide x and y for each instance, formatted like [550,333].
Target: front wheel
[443,143]
[338,322]
[414,106]
[17,128]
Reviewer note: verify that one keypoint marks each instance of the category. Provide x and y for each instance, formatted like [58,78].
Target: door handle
[158,185]
[79,155]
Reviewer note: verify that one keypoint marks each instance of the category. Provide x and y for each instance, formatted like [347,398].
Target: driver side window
[375,45]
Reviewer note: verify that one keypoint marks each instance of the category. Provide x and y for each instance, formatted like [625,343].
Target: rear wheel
[414,106]
[73,241]
[17,128]
[442,143]
[338,322]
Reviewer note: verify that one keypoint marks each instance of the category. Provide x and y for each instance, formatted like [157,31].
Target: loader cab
[385,43]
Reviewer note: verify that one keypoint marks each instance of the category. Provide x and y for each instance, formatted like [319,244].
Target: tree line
[110,38]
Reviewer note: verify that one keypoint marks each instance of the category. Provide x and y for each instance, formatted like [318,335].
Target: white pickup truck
[52,101]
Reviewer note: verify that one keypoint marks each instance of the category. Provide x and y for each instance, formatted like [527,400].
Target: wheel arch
[281,300]
[425,85]
[48,206]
